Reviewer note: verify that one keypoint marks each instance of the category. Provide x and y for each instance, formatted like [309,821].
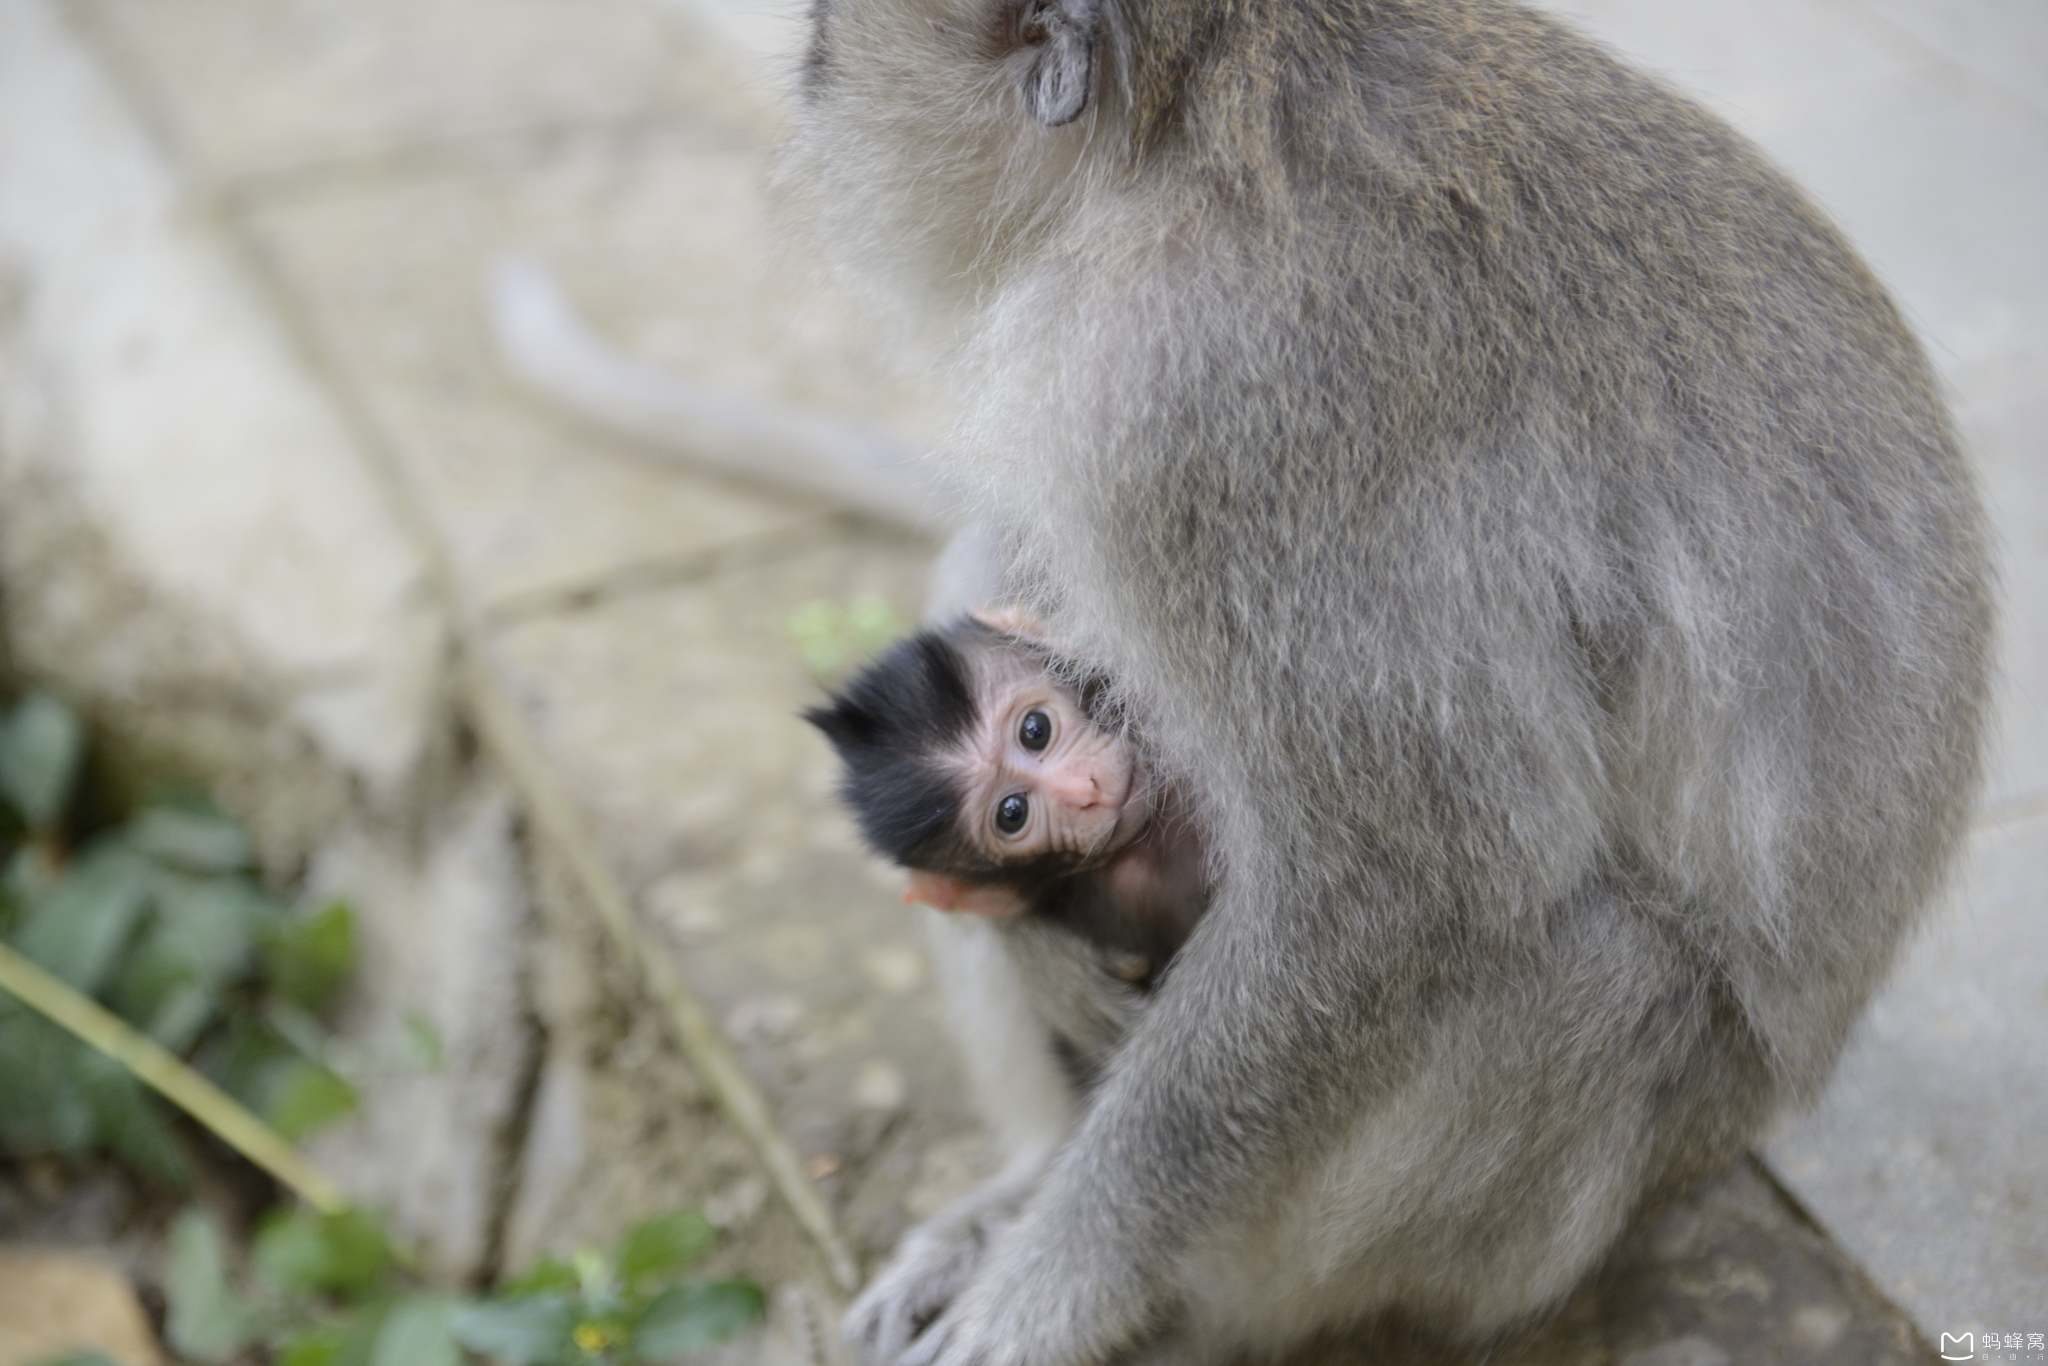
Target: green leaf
[358,1251]
[423,1047]
[249,1062]
[692,1317]
[521,1332]
[79,927]
[308,1097]
[272,1076]
[594,1278]
[309,958]
[199,941]
[207,1320]
[318,1346]
[197,839]
[289,1253]
[181,1016]
[872,621]
[416,1333]
[300,1252]
[41,743]
[129,1121]
[547,1275]
[42,1107]
[360,1329]
[665,1245]
[210,922]
[30,874]
[831,637]
[305,1034]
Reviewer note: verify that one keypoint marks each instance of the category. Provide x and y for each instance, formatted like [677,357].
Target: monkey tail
[555,354]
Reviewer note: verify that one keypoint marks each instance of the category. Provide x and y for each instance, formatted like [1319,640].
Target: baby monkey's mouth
[1134,812]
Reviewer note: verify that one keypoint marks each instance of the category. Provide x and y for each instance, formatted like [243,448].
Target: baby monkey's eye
[1035,731]
[1011,813]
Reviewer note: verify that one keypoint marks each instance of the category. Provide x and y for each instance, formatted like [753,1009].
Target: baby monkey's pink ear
[951,894]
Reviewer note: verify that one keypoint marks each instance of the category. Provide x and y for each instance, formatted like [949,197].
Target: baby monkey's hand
[951,894]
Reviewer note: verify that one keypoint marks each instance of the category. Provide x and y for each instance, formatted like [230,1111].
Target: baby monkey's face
[1039,776]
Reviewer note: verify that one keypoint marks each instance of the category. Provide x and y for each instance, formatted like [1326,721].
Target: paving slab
[621,1126]
[54,1303]
[662,236]
[1729,1273]
[1927,1160]
[254,86]
[1752,60]
[1938,175]
[442,919]
[2004,41]
[150,394]
[671,716]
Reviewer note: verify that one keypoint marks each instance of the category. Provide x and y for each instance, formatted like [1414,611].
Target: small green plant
[832,637]
[623,1307]
[330,1291]
[162,921]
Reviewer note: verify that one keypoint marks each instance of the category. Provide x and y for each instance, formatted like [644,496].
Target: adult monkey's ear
[1063,32]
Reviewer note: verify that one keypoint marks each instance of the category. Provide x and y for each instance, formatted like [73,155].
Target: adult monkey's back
[1526,525]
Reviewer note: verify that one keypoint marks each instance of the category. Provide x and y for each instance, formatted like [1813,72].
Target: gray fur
[1534,536]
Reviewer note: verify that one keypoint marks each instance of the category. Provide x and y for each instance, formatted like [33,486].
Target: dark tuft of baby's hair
[890,723]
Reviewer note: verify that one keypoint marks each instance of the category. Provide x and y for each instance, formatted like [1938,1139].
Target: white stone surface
[768,35]
[441,917]
[2005,41]
[1929,1159]
[551,1159]
[283,85]
[208,457]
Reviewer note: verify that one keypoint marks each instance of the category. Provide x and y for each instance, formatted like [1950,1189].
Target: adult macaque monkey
[1530,535]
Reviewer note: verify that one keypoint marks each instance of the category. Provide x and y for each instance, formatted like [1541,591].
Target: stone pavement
[358,164]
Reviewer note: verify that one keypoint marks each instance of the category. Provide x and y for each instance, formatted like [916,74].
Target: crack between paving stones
[550,814]
[2014,811]
[553,816]
[478,151]
[509,1142]
[1847,1264]
[468,151]
[658,575]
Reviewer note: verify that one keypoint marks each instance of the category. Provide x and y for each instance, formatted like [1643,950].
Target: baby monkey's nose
[1074,786]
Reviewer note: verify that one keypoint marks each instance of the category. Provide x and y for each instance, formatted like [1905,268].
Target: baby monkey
[982,761]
